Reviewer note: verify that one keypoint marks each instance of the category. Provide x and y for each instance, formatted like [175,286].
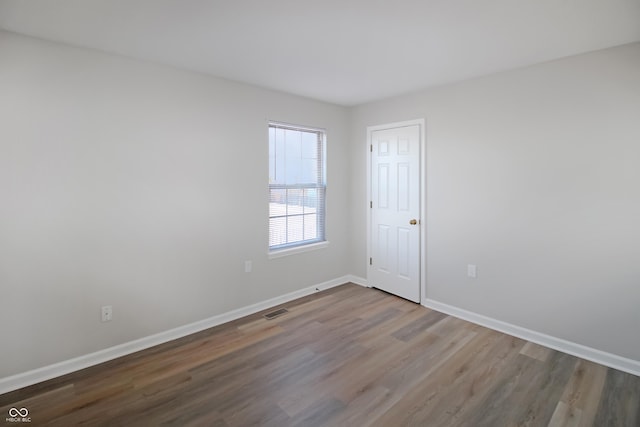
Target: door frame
[423,198]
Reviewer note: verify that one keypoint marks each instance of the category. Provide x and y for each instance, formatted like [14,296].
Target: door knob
[413,222]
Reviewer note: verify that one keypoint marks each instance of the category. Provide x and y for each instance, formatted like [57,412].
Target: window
[297,186]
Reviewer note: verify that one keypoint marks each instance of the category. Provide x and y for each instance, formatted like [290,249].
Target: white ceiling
[342,51]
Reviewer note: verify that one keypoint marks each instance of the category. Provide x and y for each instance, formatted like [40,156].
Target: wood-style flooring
[349,356]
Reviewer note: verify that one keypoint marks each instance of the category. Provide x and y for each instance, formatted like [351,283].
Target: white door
[395,211]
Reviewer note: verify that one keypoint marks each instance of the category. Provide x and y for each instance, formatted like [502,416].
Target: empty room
[331,213]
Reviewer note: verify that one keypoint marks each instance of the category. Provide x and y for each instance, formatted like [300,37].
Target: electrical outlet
[248,266]
[471,271]
[107,313]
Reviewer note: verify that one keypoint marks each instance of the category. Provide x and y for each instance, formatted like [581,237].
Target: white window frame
[312,244]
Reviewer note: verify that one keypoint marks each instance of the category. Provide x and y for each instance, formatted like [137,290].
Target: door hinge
[371,148]
[371,205]
[370,261]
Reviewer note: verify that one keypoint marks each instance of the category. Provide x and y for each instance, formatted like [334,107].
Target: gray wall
[144,187]
[533,175]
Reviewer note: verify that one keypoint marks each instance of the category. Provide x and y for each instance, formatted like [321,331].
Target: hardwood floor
[349,356]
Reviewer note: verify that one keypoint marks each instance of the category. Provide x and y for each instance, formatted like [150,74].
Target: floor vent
[276,313]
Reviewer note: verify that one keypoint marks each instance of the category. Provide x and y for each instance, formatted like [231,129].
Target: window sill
[300,249]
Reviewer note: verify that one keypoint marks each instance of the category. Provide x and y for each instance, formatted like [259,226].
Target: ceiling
[345,52]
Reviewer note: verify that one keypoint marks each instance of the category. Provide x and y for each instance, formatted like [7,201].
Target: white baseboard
[358,280]
[62,368]
[35,376]
[598,356]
